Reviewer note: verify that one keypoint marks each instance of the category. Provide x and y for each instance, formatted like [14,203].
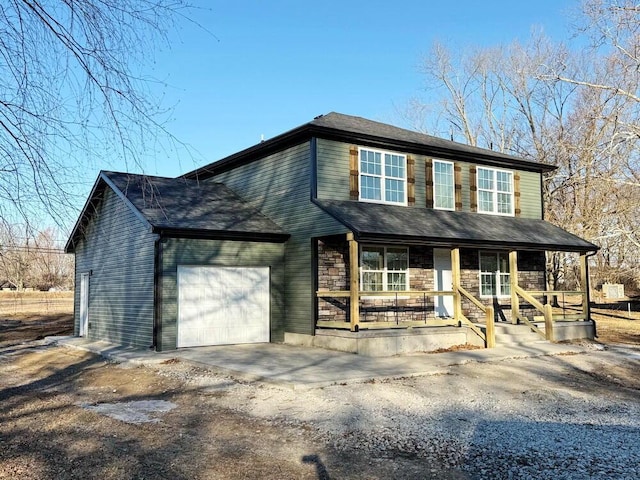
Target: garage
[222,305]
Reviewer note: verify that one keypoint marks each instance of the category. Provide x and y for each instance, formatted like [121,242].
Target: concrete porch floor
[308,367]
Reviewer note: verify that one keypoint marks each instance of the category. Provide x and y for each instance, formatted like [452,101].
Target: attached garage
[172,262]
[222,305]
[219,292]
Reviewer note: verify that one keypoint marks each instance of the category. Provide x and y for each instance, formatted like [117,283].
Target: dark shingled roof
[182,204]
[347,128]
[378,222]
[363,126]
[186,208]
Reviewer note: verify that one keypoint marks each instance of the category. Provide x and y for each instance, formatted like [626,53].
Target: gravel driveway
[564,416]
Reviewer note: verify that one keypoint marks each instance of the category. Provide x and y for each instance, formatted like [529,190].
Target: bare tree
[50,266]
[503,98]
[72,91]
[15,258]
[613,28]
[33,259]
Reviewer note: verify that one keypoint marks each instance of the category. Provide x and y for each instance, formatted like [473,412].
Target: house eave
[268,237]
[308,131]
[70,245]
[368,237]
[102,179]
[365,230]
[486,156]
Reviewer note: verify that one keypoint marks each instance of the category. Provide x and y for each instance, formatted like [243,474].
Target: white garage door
[222,305]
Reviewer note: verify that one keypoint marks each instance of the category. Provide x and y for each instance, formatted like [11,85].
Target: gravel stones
[533,418]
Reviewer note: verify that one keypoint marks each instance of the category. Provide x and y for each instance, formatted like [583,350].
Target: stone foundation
[386,343]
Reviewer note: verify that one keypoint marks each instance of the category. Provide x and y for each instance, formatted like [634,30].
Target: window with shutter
[495,191]
[383,176]
[443,185]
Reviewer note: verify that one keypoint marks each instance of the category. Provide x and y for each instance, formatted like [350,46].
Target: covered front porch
[414,275]
[415,317]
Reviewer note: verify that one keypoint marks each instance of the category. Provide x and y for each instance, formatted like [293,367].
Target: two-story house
[343,233]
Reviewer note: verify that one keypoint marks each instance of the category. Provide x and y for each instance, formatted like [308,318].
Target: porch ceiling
[415,225]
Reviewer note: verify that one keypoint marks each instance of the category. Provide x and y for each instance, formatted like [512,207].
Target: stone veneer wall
[333,275]
[531,276]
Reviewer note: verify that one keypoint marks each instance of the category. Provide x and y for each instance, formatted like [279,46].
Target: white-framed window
[383,176]
[384,268]
[443,185]
[494,274]
[495,191]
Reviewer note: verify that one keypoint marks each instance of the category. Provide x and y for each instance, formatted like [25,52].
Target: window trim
[385,271]
[497,275]
[495,191]
[453,185]
[382,177]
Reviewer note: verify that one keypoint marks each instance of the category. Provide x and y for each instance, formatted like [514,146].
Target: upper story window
[494,274]
[495,191]
[384,268]
[383,176]
[443,185]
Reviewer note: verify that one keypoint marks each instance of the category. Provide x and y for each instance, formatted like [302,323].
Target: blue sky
[267,67]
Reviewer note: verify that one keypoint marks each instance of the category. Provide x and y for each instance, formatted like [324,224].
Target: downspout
[157,261]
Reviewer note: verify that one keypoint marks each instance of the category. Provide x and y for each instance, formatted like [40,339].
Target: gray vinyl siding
[465,182]
[530,195]
[333,172]
[421,187]
[222,253]
[333,179]
[118,249]
[279,185]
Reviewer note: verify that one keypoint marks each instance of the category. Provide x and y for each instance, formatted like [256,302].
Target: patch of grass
[612,329]
[616,321]
[35,303]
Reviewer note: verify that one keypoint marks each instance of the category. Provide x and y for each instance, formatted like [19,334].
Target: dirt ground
[49,430]
[51,427]
[21,328]
[617,324]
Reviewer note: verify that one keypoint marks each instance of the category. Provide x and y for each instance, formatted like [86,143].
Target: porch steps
[509,334]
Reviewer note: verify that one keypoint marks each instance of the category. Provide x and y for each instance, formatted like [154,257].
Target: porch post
[513,280]
[354,283]
[490,332]
[548,322]
[584,281]
[455,280]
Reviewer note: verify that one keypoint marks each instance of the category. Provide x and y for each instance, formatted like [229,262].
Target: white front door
[443,282]
[222,305]
[84,304]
